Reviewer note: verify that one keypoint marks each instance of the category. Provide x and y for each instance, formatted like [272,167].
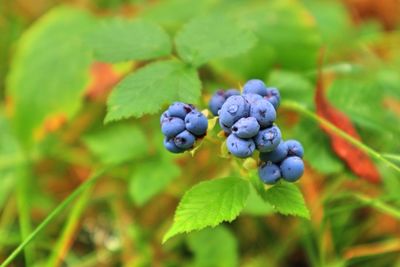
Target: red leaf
[357,160]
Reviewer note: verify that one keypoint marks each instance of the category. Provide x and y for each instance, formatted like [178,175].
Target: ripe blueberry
[196,123]
[292,168]
[246,127]
[264,112]
[255,86]
[268,139]
[294,148]
[269,173]
[239,147]
[172,126]
[276,155]
[184,140]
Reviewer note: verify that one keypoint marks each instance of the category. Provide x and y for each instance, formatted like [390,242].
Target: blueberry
[196,123]
[234,108]
[268,139]
[276,155]
[246,127]
[179,109]
[269,173]
[264,112]
[184,140]
[164,117]
[239,147]
[294,148]
[273,96]
[292,168]
[172,126]
[171,147]
[231,92]
[255,86]
[216,102]
[251,98]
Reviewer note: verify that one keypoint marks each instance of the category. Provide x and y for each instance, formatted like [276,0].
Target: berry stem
[302,109]
[81,188]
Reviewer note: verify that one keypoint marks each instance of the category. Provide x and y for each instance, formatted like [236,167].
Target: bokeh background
[52,136]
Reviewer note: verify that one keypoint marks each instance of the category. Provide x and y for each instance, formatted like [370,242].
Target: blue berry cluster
[285,161]
[248,120]
[182,124]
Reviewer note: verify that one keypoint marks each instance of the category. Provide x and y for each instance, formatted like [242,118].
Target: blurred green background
[54,89]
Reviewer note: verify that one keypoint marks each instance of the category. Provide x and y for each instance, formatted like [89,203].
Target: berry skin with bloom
[234,108]
[219,98]
[241,148]
[292,168]
[294,148]
[246,128]
[252,98]
[268,139]
[277,155]
[216,102]
[269,173]
[185,140]
[273,96]
[255,86]
[164,117]
[264,112]
[172,126]
[169,144]
[196,123]
[179,109]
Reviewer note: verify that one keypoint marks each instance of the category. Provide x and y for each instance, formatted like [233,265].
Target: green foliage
[278,41]
[118,143]
[116,40]
[10,158]
[287,199]
[49,70]
[292,85]
[151,178]
[256,205]
[214,247]
[146,90]
[317,147]
[211,37]
[208,204]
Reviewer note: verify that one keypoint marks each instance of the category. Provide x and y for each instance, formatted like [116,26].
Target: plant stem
[24,210]
[81,188]
[300,108]
[66,236]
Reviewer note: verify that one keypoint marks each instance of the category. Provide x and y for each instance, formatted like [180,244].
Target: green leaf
[214,247]
[285,26]
[118,143]
[255,205]
[171,14]
[146,90]
[287,199]
[151,178]
[211,37]
[208,204]
[116,40]
[49,70]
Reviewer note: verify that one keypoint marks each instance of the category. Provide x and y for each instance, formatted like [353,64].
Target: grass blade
[87,184]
